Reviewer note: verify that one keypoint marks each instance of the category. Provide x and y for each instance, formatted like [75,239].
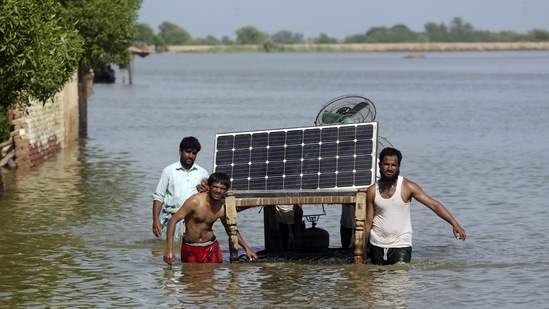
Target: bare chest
[207,215]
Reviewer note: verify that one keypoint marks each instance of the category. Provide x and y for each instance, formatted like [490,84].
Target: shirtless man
[200,212]
[388,224]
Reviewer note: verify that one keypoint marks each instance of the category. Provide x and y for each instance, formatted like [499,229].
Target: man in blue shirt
[178,182]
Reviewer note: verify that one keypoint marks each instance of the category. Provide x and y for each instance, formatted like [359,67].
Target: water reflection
[390,288]
[287,285]
[38,208]
[57,243]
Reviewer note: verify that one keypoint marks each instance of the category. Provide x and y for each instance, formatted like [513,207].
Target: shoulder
[410,185]
[172,166]
[406,181]
[200,169]
[195,199]
[371,189]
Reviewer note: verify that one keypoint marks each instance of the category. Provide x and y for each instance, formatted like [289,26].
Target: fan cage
[344,107]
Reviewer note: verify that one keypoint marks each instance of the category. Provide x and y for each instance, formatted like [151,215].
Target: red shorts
[191,253]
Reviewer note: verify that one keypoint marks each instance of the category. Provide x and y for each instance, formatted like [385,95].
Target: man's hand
[459,232]
[169,256]
[251,255]
[157,228]
[203,186]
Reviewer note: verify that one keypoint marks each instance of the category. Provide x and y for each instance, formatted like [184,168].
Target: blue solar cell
[309,159]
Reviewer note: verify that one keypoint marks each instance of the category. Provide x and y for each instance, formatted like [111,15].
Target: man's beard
[389,179]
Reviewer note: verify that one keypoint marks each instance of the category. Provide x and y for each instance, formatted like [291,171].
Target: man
[347,226]
[178,181]
[290,225]
[200,212]
[388,224]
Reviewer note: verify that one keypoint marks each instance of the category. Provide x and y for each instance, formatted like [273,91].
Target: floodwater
[472,126]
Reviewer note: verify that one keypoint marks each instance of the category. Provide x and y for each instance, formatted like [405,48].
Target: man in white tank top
[388,226]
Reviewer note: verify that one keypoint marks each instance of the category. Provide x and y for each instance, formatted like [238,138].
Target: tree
[538,35]
[357,38]
[395,34]
[209,40]
[461,31]
[287,37]
[146,35]
[436,32]
[39,55]
[325,39]
[250,35]
[401,33]
[159,44]
[225,40]
[108,29]
[172,34]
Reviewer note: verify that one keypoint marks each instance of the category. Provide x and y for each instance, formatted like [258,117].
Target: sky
[341,18]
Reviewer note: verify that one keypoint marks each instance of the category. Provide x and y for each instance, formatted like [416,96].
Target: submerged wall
[42,130]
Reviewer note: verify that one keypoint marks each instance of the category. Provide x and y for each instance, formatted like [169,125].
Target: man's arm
[370,196]
[156,226]
[419,195]
[249,252]
[169,256]
[203,185]
[158,200]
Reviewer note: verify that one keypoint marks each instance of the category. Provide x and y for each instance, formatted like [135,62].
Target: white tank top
[392,226]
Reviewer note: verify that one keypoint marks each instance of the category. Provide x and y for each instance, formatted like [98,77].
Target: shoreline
[371,47]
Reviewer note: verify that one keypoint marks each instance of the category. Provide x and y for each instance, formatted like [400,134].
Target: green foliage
[436,32]
[357,38]
[506,36]
[39,53]
[458,30]
[210,40]
[287,37]
[172,34]
[325,39]
[250,35]
[461,31]
[395,34]
[108,28]
[5,128]
[159,44]
[538,35]
[146,35]
[225,40]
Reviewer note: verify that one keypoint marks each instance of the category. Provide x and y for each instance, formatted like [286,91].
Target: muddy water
[75,232]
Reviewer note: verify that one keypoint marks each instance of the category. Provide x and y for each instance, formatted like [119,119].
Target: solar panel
[325,160]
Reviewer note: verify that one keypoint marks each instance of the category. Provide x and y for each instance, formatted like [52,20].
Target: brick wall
[44,129]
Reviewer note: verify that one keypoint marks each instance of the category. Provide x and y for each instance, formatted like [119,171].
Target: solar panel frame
[303,161]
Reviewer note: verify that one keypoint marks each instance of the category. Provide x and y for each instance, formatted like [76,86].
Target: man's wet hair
[221,178]
[189,142]
[388,152]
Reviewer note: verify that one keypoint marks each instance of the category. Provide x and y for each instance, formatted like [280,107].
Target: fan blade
[356,109]
[347,117]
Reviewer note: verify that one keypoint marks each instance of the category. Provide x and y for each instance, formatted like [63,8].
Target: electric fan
[350,108]
[345,109]
[382,143]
